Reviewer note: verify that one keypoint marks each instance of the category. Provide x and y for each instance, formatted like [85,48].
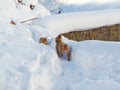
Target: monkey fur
[62,47]
[43,40]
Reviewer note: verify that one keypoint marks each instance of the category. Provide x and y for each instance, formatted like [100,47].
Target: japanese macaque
[43,40]
[32,7]
[62,47]
[21,2]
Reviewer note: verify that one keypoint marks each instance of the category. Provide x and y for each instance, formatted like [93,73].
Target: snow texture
[79,20]
[26,64]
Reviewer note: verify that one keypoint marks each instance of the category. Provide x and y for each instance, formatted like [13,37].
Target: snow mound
[26,64]
[65,6]
[99,85]
[78,21]
[12,10]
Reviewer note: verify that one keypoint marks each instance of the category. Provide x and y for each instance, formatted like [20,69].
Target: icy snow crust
[27,65]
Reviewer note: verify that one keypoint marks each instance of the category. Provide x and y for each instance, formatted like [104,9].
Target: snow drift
[79,20]
[12,10]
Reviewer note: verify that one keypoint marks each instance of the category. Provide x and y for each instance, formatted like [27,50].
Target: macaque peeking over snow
[43,40]
[32,7]
[62,47]
[21,2]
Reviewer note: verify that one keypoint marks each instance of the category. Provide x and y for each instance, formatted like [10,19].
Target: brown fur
[43,40]
[62,47]
[12,22]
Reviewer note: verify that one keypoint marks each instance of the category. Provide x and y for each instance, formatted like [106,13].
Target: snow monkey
[43,40]
[32,6]
[62,47]
[21,2]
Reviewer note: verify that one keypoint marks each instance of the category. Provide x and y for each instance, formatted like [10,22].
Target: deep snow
[27,65]
[67,22]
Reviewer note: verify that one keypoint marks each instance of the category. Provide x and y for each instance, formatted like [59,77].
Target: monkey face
[43,40]
[20,1]
[32,7]
[65,47]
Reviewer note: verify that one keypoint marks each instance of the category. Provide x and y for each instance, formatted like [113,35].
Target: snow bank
[24,63]
[89,1]
[12,10]
[79,21]
[52,4]
[37,67]
[28,65]
[65,6]
[99,85]
[93,67]
[90,6]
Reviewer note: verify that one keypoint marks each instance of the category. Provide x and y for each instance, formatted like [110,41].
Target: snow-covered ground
[27,65]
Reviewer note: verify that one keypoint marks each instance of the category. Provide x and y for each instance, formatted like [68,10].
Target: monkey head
[20,1]
[32,7]
[43,40]
[58,39]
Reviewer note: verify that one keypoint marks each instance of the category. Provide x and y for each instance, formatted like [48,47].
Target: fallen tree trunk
[106,33]
[28,20]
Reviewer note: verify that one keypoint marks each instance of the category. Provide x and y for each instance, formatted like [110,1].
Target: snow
[22,63]
[89,1]
[25,64]
[12,10]
[81,20]
[100,85]
[79,5]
